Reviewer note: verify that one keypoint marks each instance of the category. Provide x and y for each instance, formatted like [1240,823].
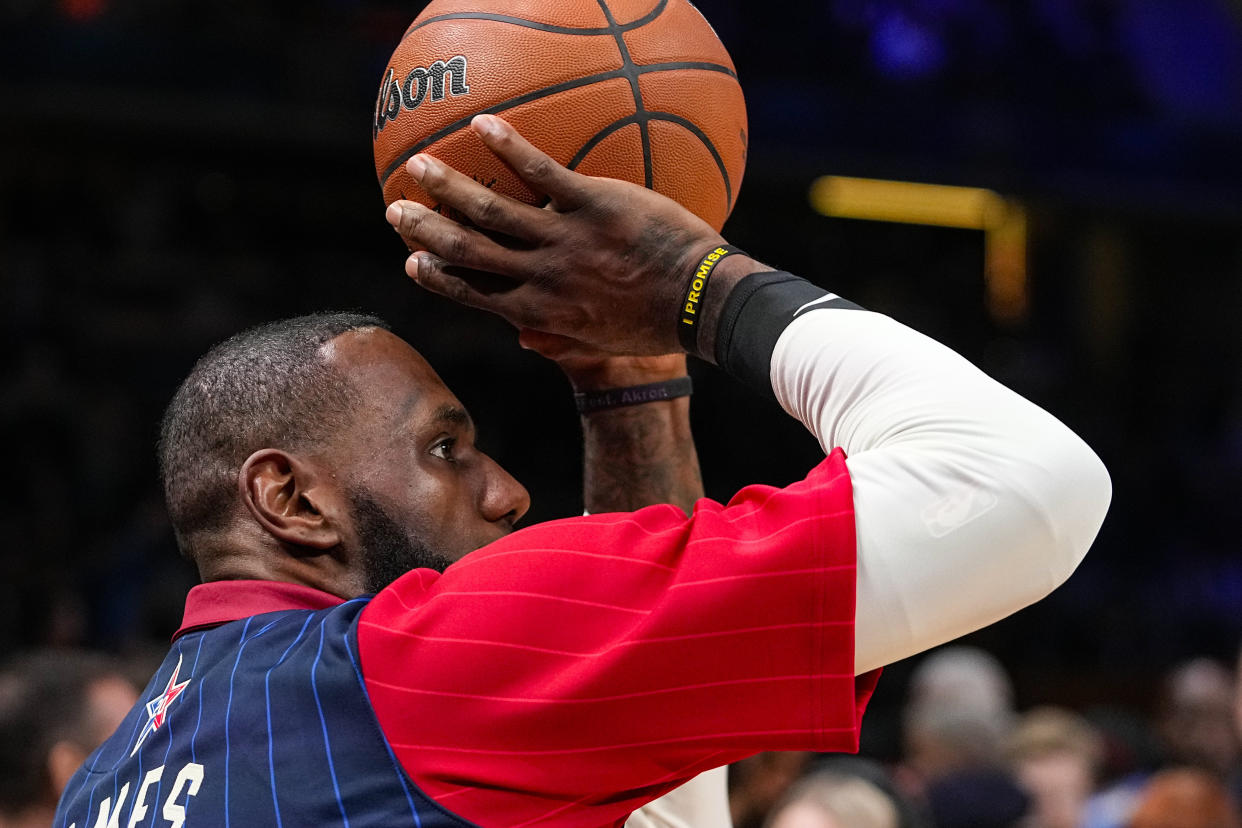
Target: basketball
[641,90]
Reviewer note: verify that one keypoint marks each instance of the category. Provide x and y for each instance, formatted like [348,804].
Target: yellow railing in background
[1002,221]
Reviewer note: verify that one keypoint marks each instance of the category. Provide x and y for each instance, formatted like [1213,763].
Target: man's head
[55,708]
[324,450]
[1196,716]
[1055,754]
[958,712]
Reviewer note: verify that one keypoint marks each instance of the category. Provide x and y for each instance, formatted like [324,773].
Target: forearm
[637,455]
[640,455]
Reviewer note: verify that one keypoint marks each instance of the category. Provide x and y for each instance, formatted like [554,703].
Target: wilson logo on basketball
[434,83]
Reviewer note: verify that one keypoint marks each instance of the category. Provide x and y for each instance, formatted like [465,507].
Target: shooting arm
[970,501]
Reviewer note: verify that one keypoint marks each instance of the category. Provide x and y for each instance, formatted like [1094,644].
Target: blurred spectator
[1195,727]
[1237,697]
[958,715]
[959,710]
[757,783]
[1055,755]
[829,799]
[1235,779]
[1196,723]
[55,708]
[983,798]
[1130,748]
[1184,798]
[1130,754]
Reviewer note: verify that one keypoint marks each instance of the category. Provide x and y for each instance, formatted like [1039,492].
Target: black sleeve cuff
[755,315]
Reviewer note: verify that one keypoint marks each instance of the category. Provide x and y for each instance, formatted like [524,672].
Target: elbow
[1076,500]
[1097,488]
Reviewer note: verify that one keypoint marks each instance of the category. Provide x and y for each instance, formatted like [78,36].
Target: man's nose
[503,497]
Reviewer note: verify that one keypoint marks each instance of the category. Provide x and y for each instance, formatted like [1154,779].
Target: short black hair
[266,387]
[45,699]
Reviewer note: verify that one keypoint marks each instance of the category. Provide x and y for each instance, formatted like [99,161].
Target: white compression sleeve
[703,802]
[970,501]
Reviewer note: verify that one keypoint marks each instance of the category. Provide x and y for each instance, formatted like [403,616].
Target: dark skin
[600,271]
[411,448]
[603,268]
[592,282]
[641,454]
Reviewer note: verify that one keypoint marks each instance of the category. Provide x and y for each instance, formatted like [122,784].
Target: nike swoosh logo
[825,298]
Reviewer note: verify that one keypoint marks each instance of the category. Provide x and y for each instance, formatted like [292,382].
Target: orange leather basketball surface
[641,90]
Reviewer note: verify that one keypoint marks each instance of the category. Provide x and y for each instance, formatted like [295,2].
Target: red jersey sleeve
[577,669]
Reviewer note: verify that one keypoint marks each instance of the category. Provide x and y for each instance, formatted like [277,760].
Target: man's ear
[291,499]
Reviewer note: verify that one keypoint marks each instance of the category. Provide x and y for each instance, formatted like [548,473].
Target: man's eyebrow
[453,415]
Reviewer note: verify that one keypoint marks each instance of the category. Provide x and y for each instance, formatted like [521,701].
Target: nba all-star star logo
[157,708]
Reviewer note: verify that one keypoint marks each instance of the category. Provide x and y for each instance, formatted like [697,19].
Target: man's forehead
[379,353]
[385,369]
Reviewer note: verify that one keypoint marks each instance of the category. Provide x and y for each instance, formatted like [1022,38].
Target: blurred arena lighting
[1003,222]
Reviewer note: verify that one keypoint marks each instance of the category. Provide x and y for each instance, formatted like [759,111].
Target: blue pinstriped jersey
[261,721]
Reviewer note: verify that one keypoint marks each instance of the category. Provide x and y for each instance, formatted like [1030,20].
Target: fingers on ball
[426,229]
[490,210]
[442,277]
[482,205]
[532,165]
[406,217]
[562,185]
[458,290]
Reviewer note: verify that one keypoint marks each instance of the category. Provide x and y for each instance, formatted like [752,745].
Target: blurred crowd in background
[967,758]
[170,174]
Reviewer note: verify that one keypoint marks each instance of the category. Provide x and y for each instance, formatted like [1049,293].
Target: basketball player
[568,672]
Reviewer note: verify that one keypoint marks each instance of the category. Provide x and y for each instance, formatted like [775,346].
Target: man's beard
[388,550]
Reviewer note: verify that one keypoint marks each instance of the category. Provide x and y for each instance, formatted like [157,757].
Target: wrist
[732,270]
[666,391]
[589,375]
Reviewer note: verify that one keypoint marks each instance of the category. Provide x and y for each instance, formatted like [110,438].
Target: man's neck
[244,554]
[238,568]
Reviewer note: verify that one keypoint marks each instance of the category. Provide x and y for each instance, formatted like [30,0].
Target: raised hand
[605,265]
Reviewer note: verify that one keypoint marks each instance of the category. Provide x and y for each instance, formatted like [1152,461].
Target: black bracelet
[591,401]
[692,303]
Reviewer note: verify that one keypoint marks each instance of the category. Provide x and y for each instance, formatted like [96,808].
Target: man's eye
[444,449]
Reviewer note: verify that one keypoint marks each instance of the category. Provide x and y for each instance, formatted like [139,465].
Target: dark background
[173,172]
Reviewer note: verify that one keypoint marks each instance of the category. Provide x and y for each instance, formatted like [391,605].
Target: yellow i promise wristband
[692,303]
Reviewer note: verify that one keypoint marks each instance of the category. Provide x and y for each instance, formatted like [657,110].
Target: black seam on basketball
[535,95]
[647,68]
[595,139]
[542,27]
[707,142]
[647,117]
[631,73]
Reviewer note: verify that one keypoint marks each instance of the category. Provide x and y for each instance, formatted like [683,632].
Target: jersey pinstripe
[273,728]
